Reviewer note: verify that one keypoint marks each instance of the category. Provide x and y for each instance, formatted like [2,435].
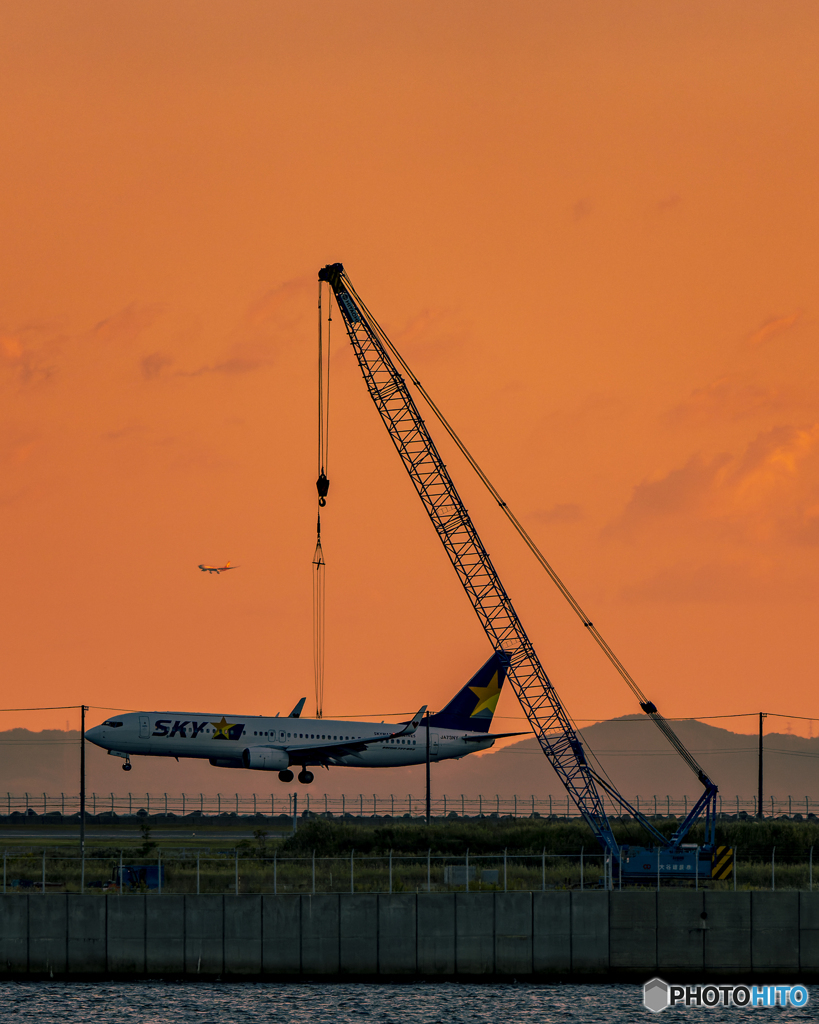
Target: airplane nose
[95,734]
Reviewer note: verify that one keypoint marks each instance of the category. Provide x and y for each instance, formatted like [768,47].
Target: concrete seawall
[544,936]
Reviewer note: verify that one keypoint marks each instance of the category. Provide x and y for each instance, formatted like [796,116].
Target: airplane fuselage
[242,740]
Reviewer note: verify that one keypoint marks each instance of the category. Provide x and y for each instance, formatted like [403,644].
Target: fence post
[533,805]
[375,812]
[343,811]
[445,805]
[62,803]
[429,871]
[352,871]
[550,805]
[45,805]
[361,805]
[516,806]
[392,805]
[497,797]
[409,797]
[237,803]
[773,869]
[201,804]
[655,805]
[668,805]
[183,805]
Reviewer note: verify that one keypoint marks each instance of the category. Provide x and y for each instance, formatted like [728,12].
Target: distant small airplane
[217,568]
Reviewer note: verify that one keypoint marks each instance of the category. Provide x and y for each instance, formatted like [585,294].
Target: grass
[285,862]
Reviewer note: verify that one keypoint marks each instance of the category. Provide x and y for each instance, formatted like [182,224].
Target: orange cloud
[773,326]
[770,490]
[567,513]
[731,399]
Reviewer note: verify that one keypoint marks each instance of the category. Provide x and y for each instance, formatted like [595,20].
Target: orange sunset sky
[590,227]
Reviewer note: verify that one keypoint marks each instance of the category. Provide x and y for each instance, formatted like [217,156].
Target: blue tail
[471,709]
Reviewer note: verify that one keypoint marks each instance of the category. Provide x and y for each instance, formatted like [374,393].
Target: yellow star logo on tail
[222,729]
[487,696]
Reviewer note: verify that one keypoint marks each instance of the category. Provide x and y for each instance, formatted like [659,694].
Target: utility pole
[428,795]
[83,709]
[759,813]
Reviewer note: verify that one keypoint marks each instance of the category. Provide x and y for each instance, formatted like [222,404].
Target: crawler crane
[664,857]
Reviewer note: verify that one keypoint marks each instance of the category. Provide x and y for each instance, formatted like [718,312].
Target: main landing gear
[305,777]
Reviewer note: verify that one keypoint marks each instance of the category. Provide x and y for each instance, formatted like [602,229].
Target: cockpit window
[113,725]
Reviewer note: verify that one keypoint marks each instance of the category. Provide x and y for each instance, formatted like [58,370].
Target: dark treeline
[332,838]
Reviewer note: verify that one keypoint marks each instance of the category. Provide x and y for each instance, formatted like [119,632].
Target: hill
[631,750]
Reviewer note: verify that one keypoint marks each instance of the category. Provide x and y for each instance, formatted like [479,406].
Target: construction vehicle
[663,857]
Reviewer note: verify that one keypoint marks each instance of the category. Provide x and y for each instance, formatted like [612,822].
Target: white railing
[366,805]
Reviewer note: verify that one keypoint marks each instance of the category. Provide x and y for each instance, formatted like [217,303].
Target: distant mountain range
[631,751]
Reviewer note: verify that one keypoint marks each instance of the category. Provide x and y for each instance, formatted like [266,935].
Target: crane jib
[471,561]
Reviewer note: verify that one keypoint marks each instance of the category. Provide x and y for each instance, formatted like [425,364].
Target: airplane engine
[266,759]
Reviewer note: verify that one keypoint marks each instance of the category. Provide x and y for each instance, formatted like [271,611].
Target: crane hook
[322,486]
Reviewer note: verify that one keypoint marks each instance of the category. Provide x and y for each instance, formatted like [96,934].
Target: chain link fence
[372,805]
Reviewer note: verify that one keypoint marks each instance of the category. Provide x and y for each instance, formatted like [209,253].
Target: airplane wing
[327,753]
[492,736]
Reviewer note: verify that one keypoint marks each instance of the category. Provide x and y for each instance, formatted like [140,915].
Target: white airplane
[281,744]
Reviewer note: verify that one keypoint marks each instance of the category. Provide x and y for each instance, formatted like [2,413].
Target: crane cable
[322,486]
[647,706]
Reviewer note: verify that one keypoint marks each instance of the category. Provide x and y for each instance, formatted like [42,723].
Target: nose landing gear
[127,766]
[286,776]
[305,777]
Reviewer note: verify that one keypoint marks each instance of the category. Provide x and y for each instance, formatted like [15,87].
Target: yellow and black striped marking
[722,862]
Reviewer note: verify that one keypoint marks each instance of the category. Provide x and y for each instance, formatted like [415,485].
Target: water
[203,1003]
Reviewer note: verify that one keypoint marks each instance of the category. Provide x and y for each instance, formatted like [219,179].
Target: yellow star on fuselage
[487,696]
[222,729]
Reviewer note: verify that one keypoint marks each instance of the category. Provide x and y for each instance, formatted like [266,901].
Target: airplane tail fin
[472,708]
